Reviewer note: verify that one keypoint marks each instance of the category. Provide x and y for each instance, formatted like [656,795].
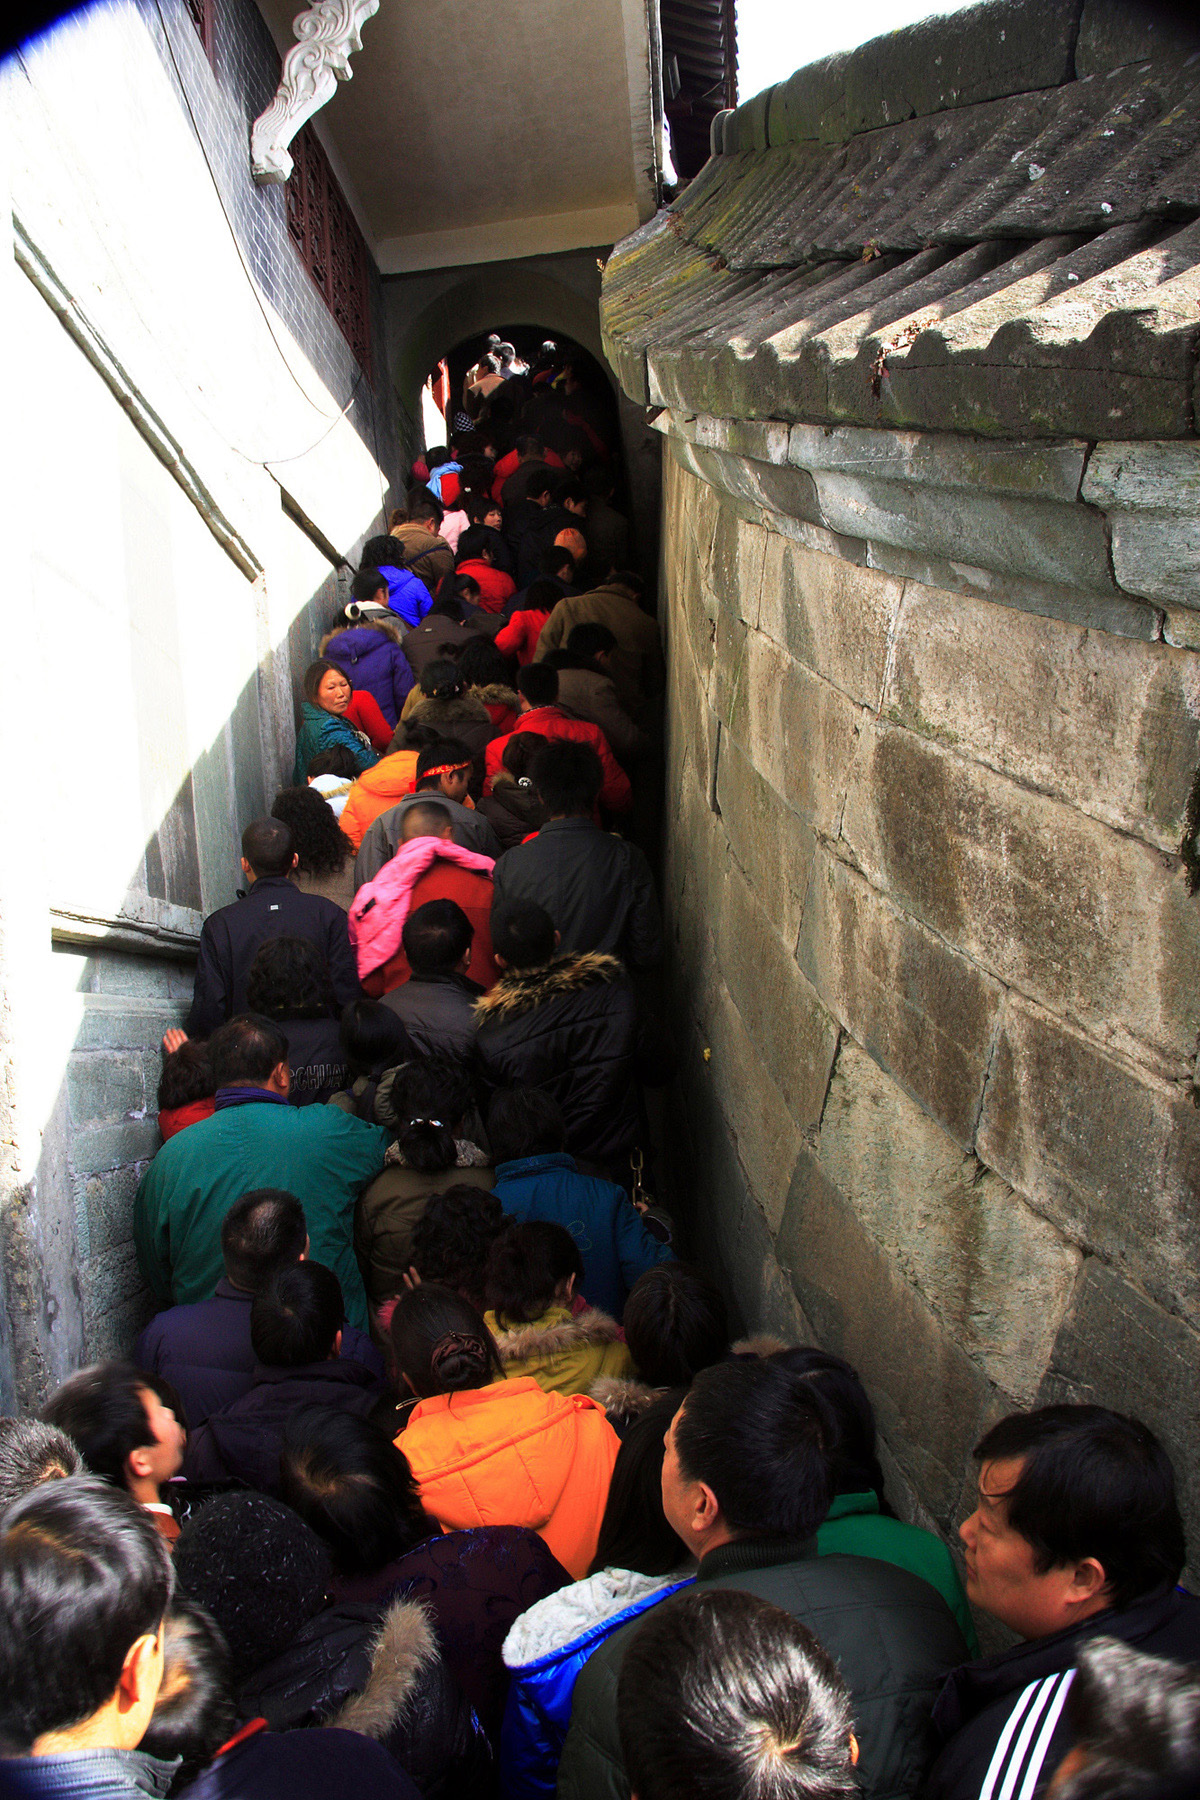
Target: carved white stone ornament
[327,33]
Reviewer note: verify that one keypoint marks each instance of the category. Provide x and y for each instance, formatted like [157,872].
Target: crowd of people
[436,1471]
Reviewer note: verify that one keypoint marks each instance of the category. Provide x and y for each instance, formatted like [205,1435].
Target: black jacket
[229,941]
[438,1013]
[596,887]
[244,1438]
[539,537]
[316,1058]
[890,1633]
[512,811]
[377,1670]
[572,1029]
[977,1702]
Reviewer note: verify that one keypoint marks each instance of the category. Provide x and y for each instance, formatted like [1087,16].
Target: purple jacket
[244,1439]
[204,1351]
[369,657]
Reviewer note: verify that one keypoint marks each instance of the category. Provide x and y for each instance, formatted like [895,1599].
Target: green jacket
[319,1153]
[893,1637]
[854,1526]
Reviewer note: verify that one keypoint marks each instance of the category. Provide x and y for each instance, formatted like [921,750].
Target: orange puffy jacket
[511,1454]
[392,777]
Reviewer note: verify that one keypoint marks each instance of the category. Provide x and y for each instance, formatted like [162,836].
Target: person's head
[426,818]
[186,1077]
[126,1435]
[268,849]
[635,1532]
[424,508]
[437,938]
[1135,1720]
[263,1231]
[370,587]
[258,1570]
[537,684]
[337,760]
[568,776]
[557,564]
[453,1236]
[442,679]
[348,1481]
[574,542]
[523,935]
[373,1037]
[481,509]
[529,448]
[440,1342]
[444,768]
[482,665]
[289,979]
[435,457]
[525,1122]
[250,1051]
[297,1318]
[32,1452]
[531,1267]
[518,757]
[676,1323]
[467,592]
[598,482]
[540,487]
[724,1695]
[855,1465]
[476,545]
[747,1455]
[1076,1512]
[320,844]
[326,686]
[196,1712]
[542,595]
[85,1581]
[424,1102]
[382,552]
[571,494]
[592,639]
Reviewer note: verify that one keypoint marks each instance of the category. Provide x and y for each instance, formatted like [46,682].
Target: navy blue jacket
[615,1245]
[204,1351]
[229,941]
[279,1765]
[245,1439]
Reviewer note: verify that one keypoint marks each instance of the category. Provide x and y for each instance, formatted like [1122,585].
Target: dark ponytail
[525,1267]
[440,1342]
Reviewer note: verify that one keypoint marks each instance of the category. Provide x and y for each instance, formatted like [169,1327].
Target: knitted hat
[257,1568]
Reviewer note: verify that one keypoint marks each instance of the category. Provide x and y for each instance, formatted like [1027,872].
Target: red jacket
[495,587]
[177,1118]
[520,636]
[553,722]
[364,714]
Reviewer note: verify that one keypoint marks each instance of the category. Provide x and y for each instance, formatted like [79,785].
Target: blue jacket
[615,1245]
[321,730]
[435,478]
[407,594]
[546,1649]
[370,658]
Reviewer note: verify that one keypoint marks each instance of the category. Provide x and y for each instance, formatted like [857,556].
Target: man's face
[455,785]
[1002,1575]
[678,1493]
[166,1453]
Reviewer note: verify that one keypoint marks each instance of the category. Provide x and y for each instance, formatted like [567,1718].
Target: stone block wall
[934,950]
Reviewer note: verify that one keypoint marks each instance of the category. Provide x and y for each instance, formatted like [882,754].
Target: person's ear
[557,939]
[246,869]
[141,1673]
[853,1750]
[498,960]
[137,1463]
[1088,1581]
[707,1508]
[447,833]
[304,1254]
[337,1348]
[281,1078]
[295,859]
[571,1286]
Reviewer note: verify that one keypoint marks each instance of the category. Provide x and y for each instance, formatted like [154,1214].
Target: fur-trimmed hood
[551,1335]
[520,991]
[496,693]
[623,1397]
[402,1649]
[467,708]
[389,627]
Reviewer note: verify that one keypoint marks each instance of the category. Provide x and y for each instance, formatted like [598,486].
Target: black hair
[760,1438]
[598,482]
[426,818]
[1136,1719]
[440,1342]
[348,1480]
[102,1410]
[453,1236]
[525,1122]
[528,444]
[424,504]
[634,1532]
[724,1695]
[373,1037]
[538,683]
[338,759]
[31,1452]
[263,1231]
[187,1076]
[314,675]
[479,505]
[476,541]
[590,638]
[195,1713]
[526,1265]
[543,595]
[317,838]
[676,1323]
[83,1576]
[539,483]
[856,1467]
[553,560]
[247,1048]
[520,753]
[443,751]
[297,1316]
[1092,1483]
[289,979]
[442,679]
[268,846]
[425,1087]
[522,933]
[367,583]
[384,551]
[568,777]
[436,937]
[569,487]
[482,665]
[435,457]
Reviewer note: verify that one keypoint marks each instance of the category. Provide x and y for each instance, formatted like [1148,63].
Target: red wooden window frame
[204,18]
[329,242]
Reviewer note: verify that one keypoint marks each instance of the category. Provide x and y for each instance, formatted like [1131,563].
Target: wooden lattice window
[331,246]
[204,19]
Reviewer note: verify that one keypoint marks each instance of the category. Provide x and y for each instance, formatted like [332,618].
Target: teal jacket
[320,730]
[854,1526]
[322,1155]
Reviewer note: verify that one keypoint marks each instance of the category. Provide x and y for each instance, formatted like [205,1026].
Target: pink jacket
[380,907]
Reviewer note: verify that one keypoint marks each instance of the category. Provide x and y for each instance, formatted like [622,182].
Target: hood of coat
[623,1397]
[400,1651]
[496,1453]
[562,1620]
[357,641]
[521,990]
[557,1330]
[497,694]
[464,708]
